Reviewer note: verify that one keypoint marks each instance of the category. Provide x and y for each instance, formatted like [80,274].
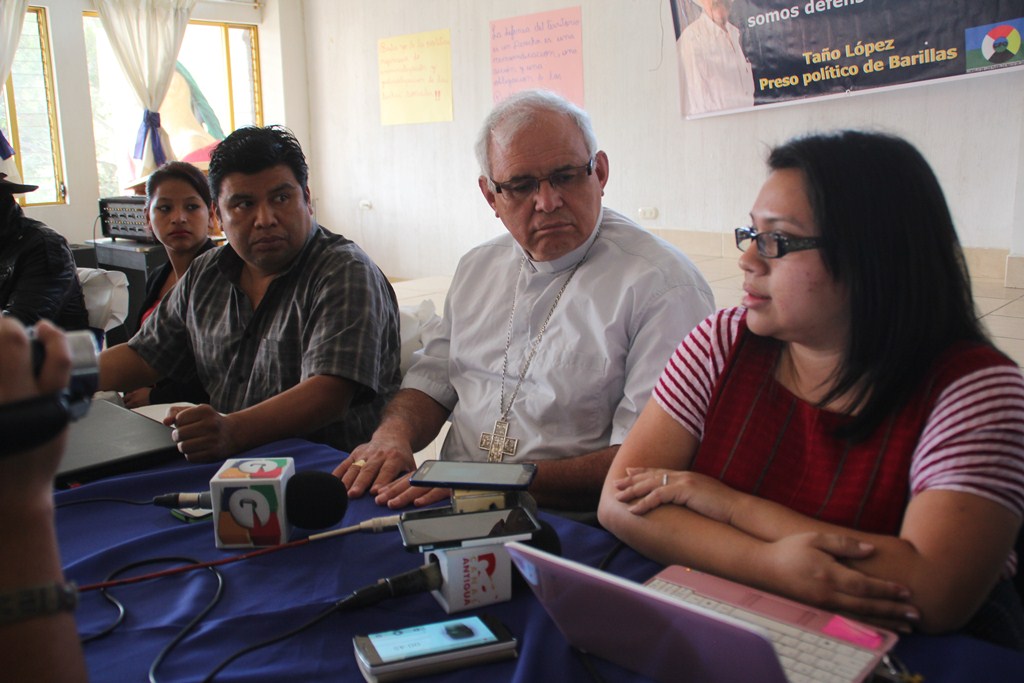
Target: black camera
[32,422]
[85,369]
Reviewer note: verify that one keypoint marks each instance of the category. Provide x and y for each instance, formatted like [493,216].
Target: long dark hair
[889,238]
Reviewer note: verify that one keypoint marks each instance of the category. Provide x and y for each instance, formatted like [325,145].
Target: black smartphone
[431,648]
[455,474]
[424,530]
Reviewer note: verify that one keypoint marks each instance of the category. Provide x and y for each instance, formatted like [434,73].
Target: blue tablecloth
[271,594]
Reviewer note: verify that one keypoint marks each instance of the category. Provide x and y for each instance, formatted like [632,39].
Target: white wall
[283,67]
[700,175]
[319,60]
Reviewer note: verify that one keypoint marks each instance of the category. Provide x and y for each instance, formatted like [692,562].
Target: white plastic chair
[106,298]
[417,325]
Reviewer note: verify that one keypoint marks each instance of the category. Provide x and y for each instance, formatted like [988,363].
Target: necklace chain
[534,344]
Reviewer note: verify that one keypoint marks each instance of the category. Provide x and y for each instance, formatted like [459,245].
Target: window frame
[254,57]
[56,149]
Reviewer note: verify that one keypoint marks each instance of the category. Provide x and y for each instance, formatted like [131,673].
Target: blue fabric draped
[6,151]
[150,126]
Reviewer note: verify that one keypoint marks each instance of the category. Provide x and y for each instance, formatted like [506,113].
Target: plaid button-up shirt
[331,312]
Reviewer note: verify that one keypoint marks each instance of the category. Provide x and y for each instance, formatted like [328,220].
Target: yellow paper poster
[415,78]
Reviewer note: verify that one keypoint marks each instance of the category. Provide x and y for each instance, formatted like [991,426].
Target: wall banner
[739,54]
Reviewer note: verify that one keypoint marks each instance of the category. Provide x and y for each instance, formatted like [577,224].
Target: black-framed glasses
[772,244]
[518,189]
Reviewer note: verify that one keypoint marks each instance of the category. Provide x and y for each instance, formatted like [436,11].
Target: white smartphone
[431,648]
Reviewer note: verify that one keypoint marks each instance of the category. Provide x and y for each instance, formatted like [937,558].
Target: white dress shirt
[611,334]
[716,73]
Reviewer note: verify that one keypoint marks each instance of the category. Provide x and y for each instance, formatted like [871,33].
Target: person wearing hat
[38,278]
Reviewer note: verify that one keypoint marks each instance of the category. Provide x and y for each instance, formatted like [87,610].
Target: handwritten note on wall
[542,50]
[415,78]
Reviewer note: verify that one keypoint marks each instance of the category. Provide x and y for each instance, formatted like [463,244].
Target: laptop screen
[641,630]
[112,440]
[713,629]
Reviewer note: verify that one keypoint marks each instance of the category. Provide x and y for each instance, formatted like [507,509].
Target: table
[271,594]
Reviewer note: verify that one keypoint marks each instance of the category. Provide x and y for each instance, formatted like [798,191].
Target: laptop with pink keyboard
[684,624]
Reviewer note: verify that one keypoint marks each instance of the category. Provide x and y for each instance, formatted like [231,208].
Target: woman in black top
[179,210]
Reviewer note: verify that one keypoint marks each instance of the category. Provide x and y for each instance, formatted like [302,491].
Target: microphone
[315,499]
[202,501]
[455,589]
[251,505]
[482,575]
[546,539]
[419,580]
[312,499]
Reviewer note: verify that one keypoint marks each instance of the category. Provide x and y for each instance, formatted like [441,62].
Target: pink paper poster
[542,50]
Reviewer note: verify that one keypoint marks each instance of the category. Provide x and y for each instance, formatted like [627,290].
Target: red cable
[190,567]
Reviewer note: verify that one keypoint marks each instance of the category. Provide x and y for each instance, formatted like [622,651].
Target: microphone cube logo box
[248,502]
[472,577]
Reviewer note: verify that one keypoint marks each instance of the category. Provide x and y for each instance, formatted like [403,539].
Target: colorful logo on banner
[994,46]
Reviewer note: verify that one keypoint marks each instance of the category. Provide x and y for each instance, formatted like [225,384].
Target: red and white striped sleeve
[973,440]
[685,387]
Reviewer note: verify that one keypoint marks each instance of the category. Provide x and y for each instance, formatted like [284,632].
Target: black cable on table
[607,559]
[162,655]
[384,589]
[336,607]
[127,501]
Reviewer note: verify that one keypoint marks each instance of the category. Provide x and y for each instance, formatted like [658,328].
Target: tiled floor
[1001,308]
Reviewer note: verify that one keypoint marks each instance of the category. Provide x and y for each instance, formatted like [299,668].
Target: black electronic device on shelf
[125,217]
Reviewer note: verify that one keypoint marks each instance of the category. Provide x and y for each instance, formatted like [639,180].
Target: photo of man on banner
[714,73]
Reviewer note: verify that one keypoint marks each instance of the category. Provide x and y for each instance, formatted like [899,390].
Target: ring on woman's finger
[664,479]
[359,463]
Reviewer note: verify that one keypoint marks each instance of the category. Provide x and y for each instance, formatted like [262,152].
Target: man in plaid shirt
[292,330]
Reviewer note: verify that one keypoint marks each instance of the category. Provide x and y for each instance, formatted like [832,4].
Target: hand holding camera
[47,379]
[44,645]
[22,385]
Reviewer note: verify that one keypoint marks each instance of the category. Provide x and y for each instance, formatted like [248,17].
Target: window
[216,89]
[28,114]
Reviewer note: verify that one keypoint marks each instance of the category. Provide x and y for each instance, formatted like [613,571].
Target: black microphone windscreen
[546,539]
[315,500]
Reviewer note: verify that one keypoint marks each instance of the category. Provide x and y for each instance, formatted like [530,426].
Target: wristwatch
[38,601]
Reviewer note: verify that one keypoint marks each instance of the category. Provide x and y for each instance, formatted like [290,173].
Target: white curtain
[146,36]
[12,18]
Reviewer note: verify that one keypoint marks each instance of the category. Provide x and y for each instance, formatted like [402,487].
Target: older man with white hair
[553,333]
